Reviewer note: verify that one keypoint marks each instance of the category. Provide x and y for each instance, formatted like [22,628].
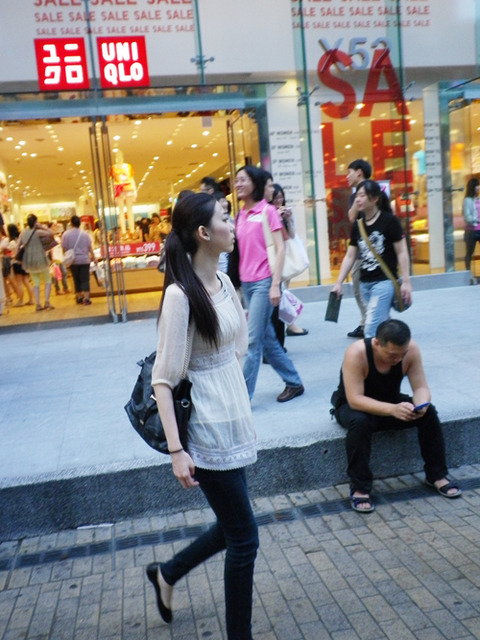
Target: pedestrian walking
[201,320]
[260,287]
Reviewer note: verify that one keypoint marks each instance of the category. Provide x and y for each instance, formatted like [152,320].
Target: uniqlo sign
[61,64]
[123,62]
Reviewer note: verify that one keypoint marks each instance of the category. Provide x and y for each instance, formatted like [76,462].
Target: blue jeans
[378,298]
[236,531]
[262,339]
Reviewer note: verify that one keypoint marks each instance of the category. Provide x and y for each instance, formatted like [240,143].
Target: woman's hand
[184,469]
[275,294]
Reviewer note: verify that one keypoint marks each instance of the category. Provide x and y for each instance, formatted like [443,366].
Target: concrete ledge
[52,504]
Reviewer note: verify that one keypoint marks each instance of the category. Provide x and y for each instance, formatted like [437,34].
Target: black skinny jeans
[360,428]
[236,531]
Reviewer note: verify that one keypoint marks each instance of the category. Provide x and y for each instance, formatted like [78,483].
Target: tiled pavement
[409,571]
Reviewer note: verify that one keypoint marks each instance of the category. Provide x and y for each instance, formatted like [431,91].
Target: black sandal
[443,490]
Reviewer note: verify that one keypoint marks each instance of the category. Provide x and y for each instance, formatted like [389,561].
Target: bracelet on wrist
[176,451]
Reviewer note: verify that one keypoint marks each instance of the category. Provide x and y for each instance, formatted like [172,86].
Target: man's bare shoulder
[414,355]
[355,355]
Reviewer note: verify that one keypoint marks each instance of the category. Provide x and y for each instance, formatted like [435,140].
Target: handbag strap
[188,353]
[78,238]
[28,241]
[379,259]
[267,232]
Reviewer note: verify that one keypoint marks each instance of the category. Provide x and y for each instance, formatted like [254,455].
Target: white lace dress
[221,435]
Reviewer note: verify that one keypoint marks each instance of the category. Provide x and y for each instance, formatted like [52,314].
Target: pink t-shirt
[253,264]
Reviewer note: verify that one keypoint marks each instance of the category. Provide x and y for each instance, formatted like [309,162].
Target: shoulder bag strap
[267,232]
[188,353]
[78,238]
[380,260]
[28,241]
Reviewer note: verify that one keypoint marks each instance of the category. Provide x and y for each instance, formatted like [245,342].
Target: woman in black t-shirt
[386,235]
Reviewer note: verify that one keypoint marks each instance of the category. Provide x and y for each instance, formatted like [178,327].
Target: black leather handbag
[142,407]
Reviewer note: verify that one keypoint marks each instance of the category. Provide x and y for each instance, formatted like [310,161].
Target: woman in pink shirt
[260,287]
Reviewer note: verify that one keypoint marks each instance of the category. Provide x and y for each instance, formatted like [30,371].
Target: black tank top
[379,386]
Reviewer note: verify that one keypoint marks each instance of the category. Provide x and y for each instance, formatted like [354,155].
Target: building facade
[187,88]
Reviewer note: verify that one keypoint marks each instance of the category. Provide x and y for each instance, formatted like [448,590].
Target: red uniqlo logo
[123,62]
[61,64]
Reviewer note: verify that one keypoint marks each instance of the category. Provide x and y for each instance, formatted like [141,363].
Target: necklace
[372,217]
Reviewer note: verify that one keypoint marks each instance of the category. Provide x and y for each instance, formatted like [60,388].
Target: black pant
[279,326]
[81,277]
[471,239]
[236,531]
[358,441]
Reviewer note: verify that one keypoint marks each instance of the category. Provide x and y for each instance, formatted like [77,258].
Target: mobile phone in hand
[419,407]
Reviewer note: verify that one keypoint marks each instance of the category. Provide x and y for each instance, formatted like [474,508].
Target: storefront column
[287,146]
[318,171]
[433,157]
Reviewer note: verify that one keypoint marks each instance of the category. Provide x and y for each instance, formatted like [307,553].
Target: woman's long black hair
[470,188]
[191,212]
[374,190]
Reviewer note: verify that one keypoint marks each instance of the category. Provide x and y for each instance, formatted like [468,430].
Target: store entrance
[60,167]
[464,153]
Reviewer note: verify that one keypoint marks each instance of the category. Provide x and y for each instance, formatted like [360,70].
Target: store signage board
[432,35]
[133,248]
[61,64]
[123,62]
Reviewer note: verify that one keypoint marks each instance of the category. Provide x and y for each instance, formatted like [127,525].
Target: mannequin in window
[125,191]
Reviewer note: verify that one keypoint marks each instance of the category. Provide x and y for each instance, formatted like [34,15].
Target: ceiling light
[9,139]
[205,133]
[194,146]
[156,157]
[78,162]
[138,122]
[169,141]
[33,155]
[116,137]
[59,148]
[214,155]
[22,143]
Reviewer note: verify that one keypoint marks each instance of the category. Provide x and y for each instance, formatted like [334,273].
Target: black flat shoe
[152,575]
[302,332]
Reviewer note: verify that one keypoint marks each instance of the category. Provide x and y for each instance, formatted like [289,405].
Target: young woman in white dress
[201,313]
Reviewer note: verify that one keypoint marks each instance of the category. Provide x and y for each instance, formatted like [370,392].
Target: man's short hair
[210,183]
[394,331]
[364,166]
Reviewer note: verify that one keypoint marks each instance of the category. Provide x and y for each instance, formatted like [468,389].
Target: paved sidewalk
[72,384]
[409,571]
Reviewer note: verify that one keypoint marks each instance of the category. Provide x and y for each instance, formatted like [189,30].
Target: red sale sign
[61,64]
[123,62]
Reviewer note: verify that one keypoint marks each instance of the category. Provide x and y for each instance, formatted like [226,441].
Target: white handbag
[296,260]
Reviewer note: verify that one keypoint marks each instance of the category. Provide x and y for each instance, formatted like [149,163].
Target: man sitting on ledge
[368,399]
